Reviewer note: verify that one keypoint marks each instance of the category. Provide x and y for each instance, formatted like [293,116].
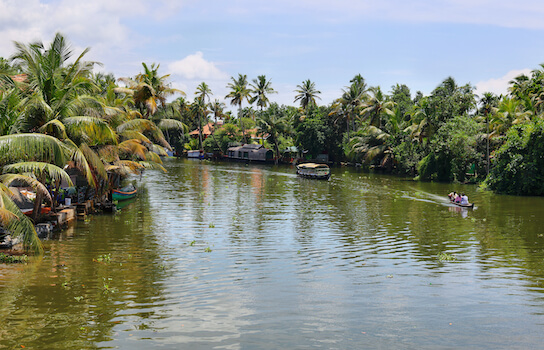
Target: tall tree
[55,88]
[149,89]
[306,94]
[238,93]
[218,109]
[273,123]
[260,88]
[351,102]
[376,107]
[203,93]
[488,102]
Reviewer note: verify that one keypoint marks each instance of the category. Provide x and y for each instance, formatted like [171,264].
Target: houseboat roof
[312,165]
[250,147]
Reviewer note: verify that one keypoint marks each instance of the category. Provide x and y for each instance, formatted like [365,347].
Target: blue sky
[418,43]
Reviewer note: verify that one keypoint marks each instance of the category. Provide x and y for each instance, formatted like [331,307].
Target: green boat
[124,193]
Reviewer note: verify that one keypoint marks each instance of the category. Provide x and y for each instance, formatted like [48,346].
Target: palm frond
[136,135]
[55,128]
[124,167]
[95,129]
[173,124]
[21,226]
[26,147]
[109,153]
[152,166]
[133,147]
[153,157]
[159,150]
[8,179]
[140,125]
[94,161]
[145,125]
[40,169]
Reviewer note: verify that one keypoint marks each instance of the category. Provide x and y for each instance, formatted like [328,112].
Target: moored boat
[124,193]
[314,171]
[195,154]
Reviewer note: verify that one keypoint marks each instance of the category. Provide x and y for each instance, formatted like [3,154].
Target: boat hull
[118,195]
[314,176]
[314,171]
[471,205]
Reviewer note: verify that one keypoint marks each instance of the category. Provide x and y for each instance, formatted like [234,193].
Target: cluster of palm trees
[58,114]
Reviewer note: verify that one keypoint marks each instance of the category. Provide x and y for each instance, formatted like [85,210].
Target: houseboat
[314,171]
[250,152]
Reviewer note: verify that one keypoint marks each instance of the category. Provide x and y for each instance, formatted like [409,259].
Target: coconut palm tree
[351,102]
[260,88]
[372,145]
[149,90]
[488,102]
[421,127]
[307,94]
[200,111]
[218,109]
[275,126]
[508,113]
[238,93]
[55,88]
[203,93]
[376,107]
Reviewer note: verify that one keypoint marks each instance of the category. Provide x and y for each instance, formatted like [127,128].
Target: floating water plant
[104,258]
[446,257]
[13,259]
[208,250]
[106,288]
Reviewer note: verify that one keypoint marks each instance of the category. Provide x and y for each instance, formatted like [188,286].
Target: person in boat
[451,195]
[464,199]
[458,198]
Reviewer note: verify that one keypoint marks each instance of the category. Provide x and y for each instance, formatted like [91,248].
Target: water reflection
[234,256]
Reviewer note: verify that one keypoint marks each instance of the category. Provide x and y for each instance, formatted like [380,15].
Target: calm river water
[235,256]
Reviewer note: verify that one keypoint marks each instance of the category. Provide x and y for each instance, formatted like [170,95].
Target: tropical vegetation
[58,113]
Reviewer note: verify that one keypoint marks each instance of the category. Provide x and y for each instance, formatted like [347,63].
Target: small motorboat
[452,201]
[469,205]
[314,171]
[124,193]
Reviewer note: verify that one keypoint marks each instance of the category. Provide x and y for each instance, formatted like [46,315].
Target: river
[236,256]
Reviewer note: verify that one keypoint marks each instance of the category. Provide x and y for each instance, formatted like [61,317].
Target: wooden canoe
[124,193]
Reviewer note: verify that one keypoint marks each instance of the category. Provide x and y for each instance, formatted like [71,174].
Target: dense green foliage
[54,104]
[519,163]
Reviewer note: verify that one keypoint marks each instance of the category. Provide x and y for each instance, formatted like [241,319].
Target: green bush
[518,166]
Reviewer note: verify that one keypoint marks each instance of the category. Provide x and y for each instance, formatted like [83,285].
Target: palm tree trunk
[199,132]
[216,143]
[242,123]
[347,126]
[37,203]
[487,146]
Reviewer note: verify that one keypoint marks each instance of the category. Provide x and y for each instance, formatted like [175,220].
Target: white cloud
[500,85]
[195,67]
